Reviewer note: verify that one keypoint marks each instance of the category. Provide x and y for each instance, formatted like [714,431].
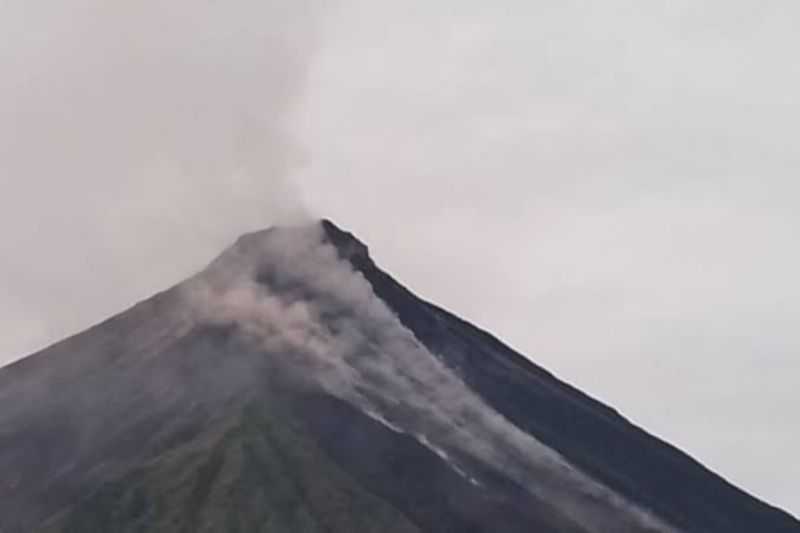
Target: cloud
[136,139]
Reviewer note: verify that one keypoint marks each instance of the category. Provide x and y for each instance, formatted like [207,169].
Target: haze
[610,187]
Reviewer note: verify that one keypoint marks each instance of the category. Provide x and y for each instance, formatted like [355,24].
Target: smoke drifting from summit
[309,312]
[136,140]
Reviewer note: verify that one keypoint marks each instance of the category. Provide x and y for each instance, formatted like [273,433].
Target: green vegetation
[263,473]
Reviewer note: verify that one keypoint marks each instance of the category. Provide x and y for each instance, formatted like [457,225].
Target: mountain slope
[588,433]
[294,386]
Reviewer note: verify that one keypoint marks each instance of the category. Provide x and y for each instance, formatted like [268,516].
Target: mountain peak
[279,246]
[347,244]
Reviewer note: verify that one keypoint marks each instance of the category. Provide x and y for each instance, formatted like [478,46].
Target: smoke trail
[136,139]
[291,294]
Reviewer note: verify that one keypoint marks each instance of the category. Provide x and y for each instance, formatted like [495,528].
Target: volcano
[294,386]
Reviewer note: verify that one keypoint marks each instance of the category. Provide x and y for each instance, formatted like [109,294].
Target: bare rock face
[294,386]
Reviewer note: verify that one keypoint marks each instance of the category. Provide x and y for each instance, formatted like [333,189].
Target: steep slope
[205,434]
[589,434]
[294,386]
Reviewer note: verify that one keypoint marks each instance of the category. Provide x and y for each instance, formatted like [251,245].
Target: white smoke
[137,138]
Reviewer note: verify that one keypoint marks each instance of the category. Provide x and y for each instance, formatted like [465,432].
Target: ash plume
[137,139]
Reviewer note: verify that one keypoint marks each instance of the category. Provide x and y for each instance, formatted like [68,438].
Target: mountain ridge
[200,355]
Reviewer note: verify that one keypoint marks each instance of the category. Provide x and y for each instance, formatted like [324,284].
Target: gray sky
[609,187]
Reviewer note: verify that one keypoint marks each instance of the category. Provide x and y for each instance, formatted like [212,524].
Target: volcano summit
[294,386]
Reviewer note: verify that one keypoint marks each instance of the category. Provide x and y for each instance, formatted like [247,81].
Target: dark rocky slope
[590,434]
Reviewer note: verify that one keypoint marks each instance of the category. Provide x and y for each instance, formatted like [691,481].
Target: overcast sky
[611,187]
